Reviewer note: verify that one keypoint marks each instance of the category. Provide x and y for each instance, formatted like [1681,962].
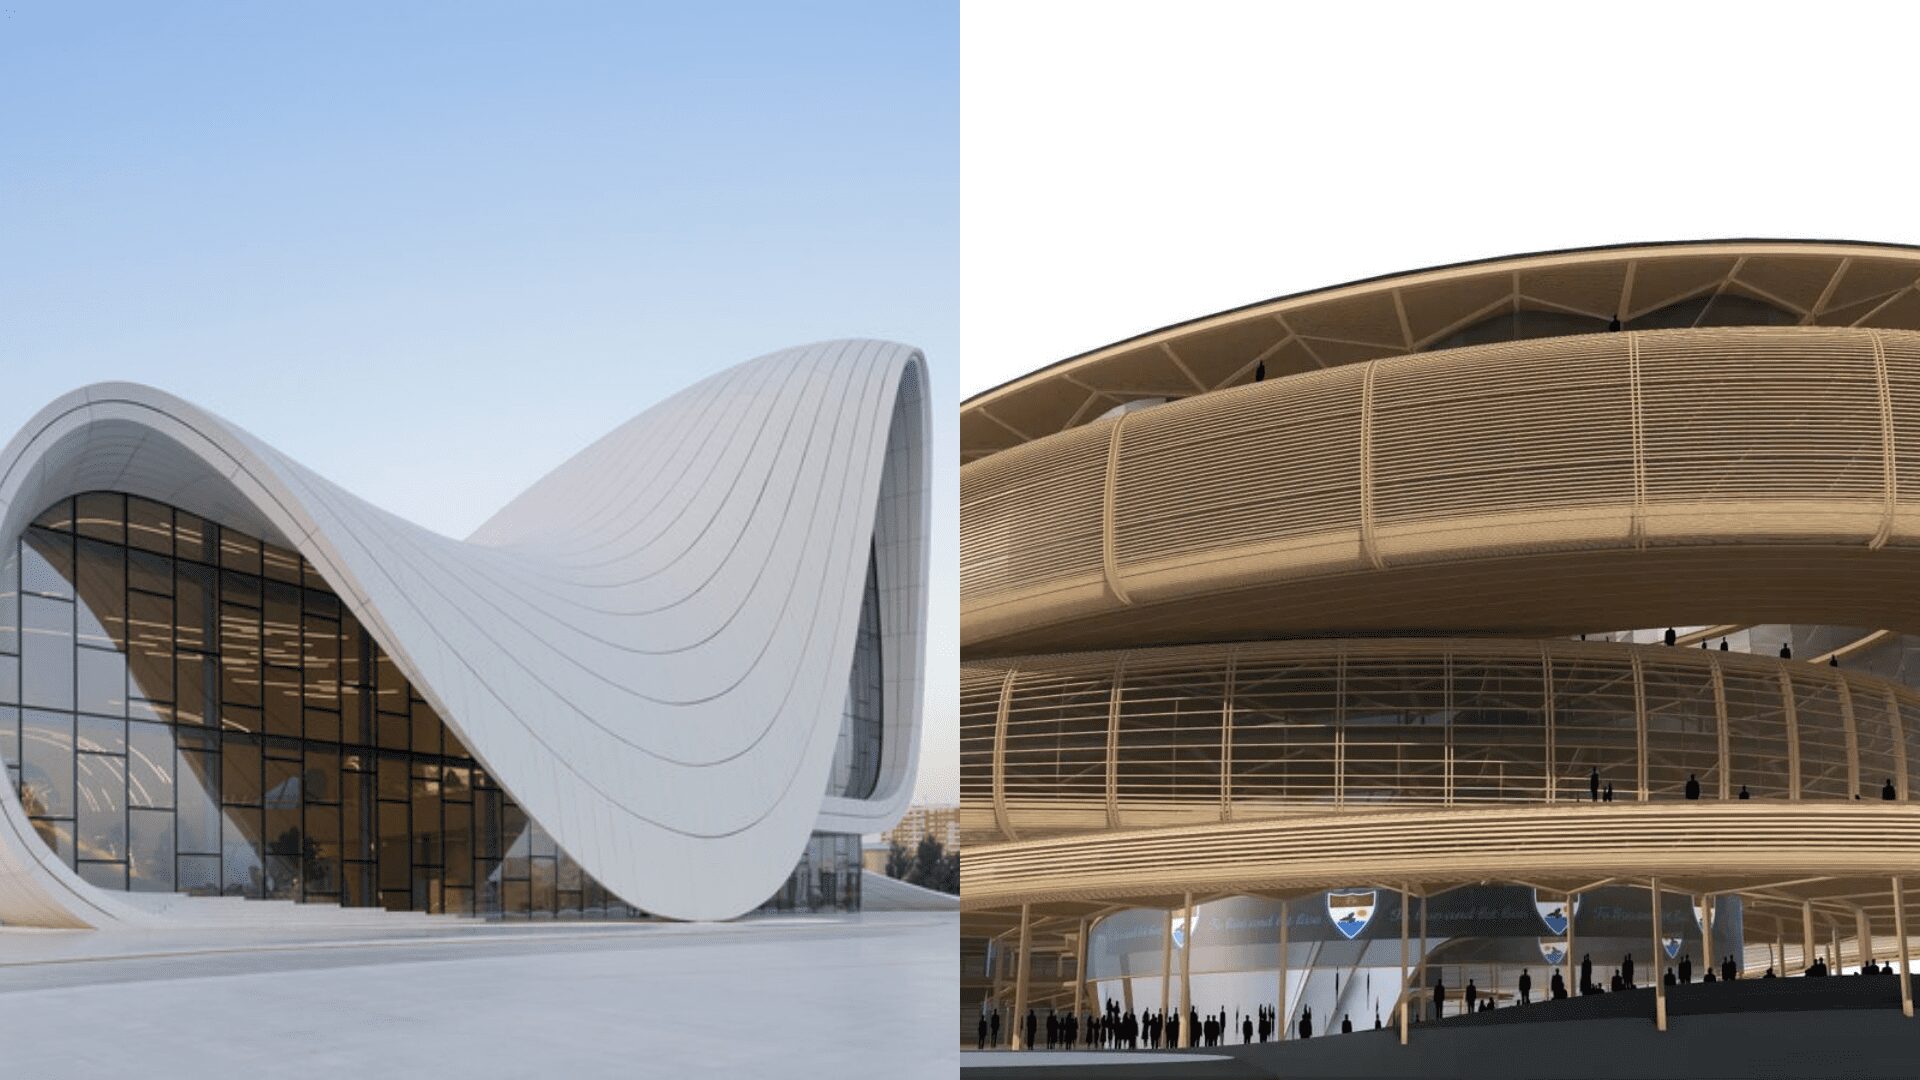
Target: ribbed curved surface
[1758,474]
[1702,848]
[1692,284]
[649,649]
[1149,737]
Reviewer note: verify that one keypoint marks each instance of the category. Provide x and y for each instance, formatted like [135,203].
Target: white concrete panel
[649,648]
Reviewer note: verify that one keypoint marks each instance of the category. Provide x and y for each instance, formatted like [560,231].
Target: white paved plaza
[826,996]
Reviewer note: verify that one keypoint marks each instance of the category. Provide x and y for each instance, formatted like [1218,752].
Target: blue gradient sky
[432,249]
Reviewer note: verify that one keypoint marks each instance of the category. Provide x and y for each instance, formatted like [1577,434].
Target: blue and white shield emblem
[1351,910]
[1554,914]
[1672,945]
[1553,951]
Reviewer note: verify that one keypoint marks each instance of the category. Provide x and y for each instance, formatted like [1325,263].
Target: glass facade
[856,758]
[185,708]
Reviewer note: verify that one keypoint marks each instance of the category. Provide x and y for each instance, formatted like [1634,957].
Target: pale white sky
[1129,165]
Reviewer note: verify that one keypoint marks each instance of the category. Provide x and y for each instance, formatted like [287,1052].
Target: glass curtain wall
[185,708]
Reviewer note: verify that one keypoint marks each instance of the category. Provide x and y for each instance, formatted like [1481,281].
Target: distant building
[940,822]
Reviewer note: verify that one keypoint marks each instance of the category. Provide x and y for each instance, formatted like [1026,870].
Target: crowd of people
[1115,1028]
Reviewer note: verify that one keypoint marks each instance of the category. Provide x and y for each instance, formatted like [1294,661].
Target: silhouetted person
[1376,1018]
[1439,997]
[1769,973]
[1306,1024]
[1887,792]
[980,1039]
[1173,1030]
[1671,637]
[1669,978]
[1346,1023]
[1053,1030]
[1246,1030]
[1613,324]
[993,1025]
[1626,970]
[1743,792]
[1033,1025]
[1526,986]
[1728,969]
[1593,783]
[1686,968]
[1786,650]
[1833,661]
[1708,977]
[1723,644]
[1586,972]
[1693,787]
[1558,987]
[1260,371]
[1607,795]
[1472,994]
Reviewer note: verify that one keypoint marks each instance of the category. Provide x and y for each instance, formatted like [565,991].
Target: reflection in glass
[334,781]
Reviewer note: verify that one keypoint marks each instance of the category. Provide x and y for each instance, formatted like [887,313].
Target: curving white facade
[649,648]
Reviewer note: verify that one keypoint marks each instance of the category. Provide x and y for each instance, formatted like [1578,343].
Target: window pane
[47,654]
[321,663]
[199,875]
[286,853]
[199,799]
[102,805]
[240,776]
[281,638]
[102,681]
[243,871]
[102,515]
[149,526]
[190,537]
[282,693]
[239,552]
[46,766]
[150,647]
[239,655]
[102,580]
[150,850]
[10,736]
[322,780]
[193,693]
[395,871]
[194,607]
[150,766]
[47,564]
[104,875]
[149,572]
[279,564]
[100,735]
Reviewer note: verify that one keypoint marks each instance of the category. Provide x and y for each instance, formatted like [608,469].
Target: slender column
[1706,933]
[1658,971]
[1806,934]
[1186,974]
[1421,983]
[1080,982]
[1020,982]
[1573,989]
[1280,1013]
[1405,993]
[1780,948]
[1862,934]
[1900,932]
[1166,964]
[1833,948]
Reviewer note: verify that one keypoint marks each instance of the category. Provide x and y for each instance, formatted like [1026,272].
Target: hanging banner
[1673,946]
[1182,927]
[1553,950]
[1351,910]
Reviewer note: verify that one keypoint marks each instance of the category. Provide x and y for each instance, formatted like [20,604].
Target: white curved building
[686,658]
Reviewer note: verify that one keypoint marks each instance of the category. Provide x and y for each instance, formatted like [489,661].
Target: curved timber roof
[1813,283]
